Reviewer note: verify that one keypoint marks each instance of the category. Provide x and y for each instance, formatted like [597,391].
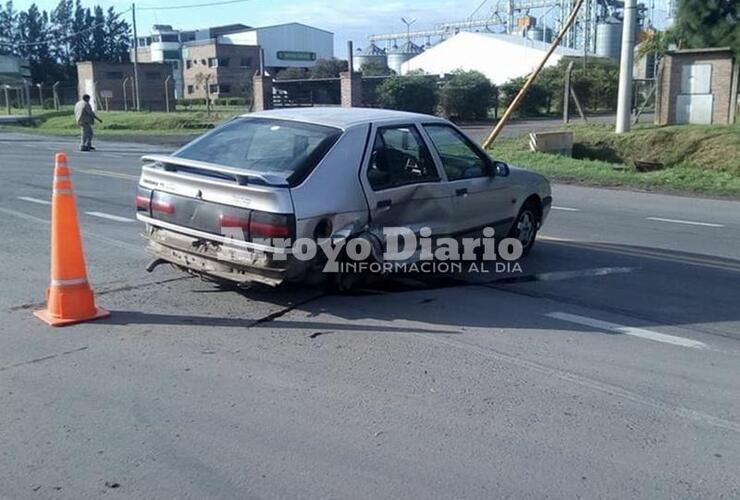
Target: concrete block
[552,142]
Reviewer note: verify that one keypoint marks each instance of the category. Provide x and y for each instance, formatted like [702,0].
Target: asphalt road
[610,368]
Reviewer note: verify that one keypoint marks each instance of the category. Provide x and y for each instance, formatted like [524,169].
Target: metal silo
[372,54]
[609,39]
[399,55]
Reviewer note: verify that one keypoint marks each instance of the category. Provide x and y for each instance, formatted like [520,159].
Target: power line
[191,6]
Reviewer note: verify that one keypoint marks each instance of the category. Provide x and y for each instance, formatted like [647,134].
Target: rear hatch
[184,194]
[234,181]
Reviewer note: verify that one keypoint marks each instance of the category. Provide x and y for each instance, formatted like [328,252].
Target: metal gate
[695,101]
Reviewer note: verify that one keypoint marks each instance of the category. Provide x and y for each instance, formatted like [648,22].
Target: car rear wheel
[525,226]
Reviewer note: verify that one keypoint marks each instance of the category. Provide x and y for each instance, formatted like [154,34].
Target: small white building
[286,45]
[499,57]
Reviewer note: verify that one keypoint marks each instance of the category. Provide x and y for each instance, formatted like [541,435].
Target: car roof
[342,117]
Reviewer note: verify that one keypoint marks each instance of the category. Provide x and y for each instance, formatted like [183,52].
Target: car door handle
[462,192]
[384,204]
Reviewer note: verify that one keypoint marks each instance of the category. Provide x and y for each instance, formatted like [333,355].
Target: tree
[467,95]
[413,92]
[117,37]
[292,74]
[8,29]
[34,43]
[328,68]
[533,103]
[376,69]
[708,23]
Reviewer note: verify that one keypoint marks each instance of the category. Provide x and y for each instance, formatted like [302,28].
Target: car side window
[459,159]
[400,157]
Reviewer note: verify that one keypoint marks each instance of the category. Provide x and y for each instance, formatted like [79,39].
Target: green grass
[116,123]
[697,159]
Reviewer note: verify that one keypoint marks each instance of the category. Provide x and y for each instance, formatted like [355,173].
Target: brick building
[111,85]
[697,86]
[226,69]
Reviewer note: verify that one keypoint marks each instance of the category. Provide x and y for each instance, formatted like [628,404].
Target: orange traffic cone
[69,298]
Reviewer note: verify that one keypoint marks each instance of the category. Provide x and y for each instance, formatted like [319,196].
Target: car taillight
[162,207]
[234,221]
[143,197]
[267,225]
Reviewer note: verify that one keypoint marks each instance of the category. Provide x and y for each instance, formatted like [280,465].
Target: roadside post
[27,86]
[125,97]
[55,94]
[41,94]
[6,88]
[566,93]
[167,92]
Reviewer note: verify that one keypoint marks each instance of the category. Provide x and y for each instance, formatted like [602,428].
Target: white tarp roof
[499,57]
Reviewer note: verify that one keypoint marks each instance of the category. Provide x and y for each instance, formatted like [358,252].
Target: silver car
[323,173]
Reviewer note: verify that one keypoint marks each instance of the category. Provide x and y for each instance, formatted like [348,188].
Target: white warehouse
[499,57]
[286,45]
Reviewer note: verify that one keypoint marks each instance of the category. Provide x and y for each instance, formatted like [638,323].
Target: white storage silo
[372,54]
[399,55]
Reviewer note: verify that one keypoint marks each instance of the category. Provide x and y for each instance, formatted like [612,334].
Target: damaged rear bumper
[221,259]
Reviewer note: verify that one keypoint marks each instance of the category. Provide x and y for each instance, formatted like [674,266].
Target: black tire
[526,225]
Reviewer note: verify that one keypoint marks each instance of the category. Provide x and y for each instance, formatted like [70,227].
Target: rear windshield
[264,145]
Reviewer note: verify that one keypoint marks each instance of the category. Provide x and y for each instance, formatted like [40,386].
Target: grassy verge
[696,159]
[121,123]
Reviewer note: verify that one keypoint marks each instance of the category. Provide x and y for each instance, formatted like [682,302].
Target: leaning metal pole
[518,99]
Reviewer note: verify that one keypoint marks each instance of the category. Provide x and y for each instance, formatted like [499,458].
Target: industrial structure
[597,30]
[514,56]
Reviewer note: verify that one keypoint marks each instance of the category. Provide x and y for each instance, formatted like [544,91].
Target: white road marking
[691,223]
[105,173]
[566,209]
[627,330]
[104,215]
[87,234]
[34,200]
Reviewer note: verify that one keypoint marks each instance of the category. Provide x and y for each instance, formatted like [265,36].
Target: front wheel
[525,226]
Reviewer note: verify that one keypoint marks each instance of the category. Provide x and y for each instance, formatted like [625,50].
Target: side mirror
[500,169]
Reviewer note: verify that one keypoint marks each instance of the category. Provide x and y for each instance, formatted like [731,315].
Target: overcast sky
[347,19]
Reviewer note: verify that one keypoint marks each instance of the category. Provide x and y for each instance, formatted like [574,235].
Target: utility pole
[624,99]
[6,88]
[137,99]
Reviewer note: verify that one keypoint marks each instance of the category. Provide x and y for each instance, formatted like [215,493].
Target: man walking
[85,117]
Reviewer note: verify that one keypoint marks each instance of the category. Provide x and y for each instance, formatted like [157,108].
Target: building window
[188,64]
[213,88]
[153,75]
[246,62]
[213,62]
[171,54]
[114,75]
[170,38]
[190,89]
